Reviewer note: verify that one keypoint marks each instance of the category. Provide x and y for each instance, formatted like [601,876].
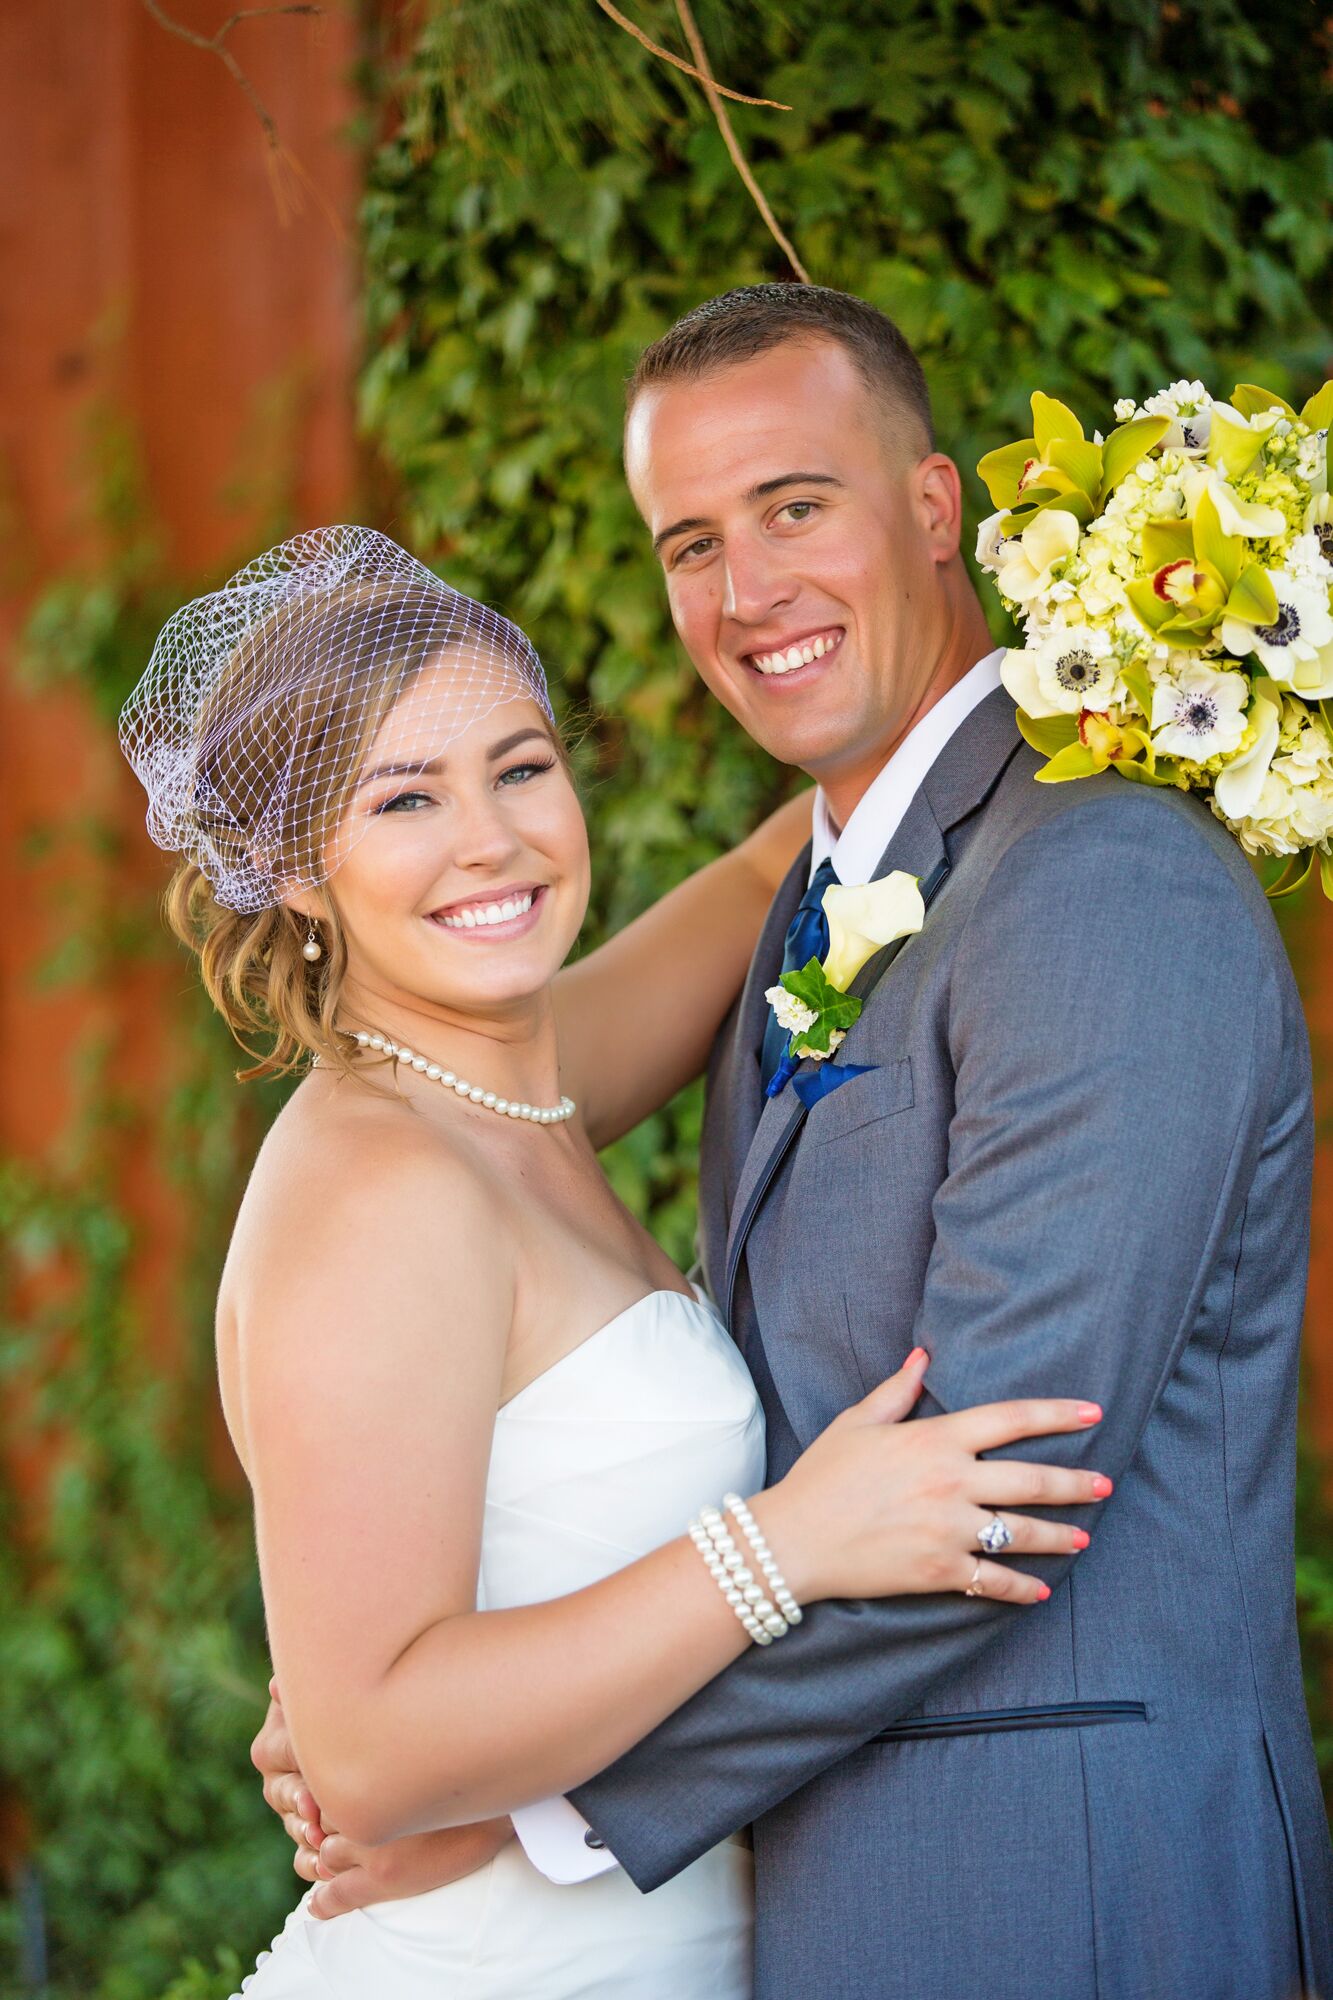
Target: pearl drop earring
[312,949]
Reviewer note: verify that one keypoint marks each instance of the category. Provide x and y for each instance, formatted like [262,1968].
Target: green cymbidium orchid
[1201,575]
[1079,746]
[1059,467]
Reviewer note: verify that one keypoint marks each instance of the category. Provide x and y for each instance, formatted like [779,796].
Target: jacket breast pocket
[862,1100]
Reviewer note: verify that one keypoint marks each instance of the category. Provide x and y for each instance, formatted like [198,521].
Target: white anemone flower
[1239,786]
[1028,559]
[991,544]
[1297,648]
[1198,712]
[1069,669]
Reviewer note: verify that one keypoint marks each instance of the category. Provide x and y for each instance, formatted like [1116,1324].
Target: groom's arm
[1117,1029]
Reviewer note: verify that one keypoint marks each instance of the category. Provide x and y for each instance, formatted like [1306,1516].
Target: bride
[476,1404]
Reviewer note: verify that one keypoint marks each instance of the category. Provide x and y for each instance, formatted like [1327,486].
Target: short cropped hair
[740,324]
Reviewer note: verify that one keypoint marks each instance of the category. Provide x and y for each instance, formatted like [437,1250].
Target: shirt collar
[855,849]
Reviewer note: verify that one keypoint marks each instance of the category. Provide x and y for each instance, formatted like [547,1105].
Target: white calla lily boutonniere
[813,1004]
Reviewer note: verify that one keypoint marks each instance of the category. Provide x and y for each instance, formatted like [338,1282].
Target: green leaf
[1047,733]
[1224,553]
[1326,873]
[1136,679]
[1318,412]
[1166,542]
[1252,401]
[1125,447]
[1081,460]
[1293,877]
[1052,420]
[1253,598]
[1001,470]
[1075,762]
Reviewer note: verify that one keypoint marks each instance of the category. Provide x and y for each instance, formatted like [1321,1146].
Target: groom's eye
[800,510]
[704,543]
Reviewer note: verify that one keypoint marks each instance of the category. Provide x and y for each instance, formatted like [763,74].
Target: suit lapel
[961,778]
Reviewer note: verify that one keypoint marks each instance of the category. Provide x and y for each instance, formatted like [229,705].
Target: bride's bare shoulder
[343,1162]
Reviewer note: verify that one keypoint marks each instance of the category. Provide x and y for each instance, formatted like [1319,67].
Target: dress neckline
[690,1298]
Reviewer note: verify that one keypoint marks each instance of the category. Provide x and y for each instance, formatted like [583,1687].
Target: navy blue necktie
[807,938]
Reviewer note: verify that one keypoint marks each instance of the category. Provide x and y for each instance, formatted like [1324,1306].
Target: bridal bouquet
[1172,581]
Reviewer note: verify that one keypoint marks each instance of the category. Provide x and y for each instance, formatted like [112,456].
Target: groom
[1074,1159]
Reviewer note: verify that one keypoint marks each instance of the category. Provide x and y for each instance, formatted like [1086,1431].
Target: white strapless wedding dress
[595,1463]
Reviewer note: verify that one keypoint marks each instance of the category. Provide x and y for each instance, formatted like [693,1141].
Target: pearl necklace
[536,1114]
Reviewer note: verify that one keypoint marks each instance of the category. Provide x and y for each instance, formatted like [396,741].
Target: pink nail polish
[1102,1486]
[1043,1592]
[917,1354]
[1089,1413]
[1081,1540]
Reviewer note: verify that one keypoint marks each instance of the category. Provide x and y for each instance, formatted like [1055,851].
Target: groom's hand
[350,1877]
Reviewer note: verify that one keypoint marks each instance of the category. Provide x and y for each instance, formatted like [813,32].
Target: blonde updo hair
[339,688]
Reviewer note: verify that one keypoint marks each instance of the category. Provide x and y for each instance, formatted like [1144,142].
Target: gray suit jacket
[1080,1166]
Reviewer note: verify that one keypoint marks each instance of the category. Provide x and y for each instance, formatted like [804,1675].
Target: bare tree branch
[287,176]
[714,94]
[769,103]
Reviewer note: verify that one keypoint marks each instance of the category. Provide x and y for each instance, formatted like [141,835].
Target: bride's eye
[520,773]
[404,802]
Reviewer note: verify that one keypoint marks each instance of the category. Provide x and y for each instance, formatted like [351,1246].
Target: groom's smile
[809,540]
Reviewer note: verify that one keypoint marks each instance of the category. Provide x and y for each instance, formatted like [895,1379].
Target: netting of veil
[261,701]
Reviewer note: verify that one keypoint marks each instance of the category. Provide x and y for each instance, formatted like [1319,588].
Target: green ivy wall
[1092,198]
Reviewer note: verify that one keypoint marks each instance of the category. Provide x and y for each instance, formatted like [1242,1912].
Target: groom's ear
[938,493]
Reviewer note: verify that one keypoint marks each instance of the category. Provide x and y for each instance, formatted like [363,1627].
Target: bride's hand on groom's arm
[349,1877]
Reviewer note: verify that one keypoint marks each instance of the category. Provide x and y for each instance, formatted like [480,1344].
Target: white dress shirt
[554,1834]
[856,849]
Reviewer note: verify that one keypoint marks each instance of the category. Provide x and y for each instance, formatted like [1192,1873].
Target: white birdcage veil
[250,724]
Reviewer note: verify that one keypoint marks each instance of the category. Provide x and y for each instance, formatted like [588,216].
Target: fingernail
[917,1354]
[1089,1413]
[1081,1540]
[1043,1592]
[1102,1486]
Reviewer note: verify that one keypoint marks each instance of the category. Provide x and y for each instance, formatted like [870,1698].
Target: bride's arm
[371,1366]
[638,1015]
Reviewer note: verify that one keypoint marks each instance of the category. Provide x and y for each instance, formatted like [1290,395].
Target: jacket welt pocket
[862,1100]
[989,1722]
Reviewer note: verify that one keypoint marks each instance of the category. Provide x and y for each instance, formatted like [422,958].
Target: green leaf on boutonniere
[835,1011]
[813,985]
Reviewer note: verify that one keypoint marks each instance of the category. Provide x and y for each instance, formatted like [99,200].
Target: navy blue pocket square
[819,1082]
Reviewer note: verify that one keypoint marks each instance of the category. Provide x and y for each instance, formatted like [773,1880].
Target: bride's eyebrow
[433,769]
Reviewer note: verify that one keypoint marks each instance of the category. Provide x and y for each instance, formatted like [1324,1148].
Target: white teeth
[492,913]
[795,656]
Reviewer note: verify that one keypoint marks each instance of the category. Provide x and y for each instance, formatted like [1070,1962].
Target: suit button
[593,1840]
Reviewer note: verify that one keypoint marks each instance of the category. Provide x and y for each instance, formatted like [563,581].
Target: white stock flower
[1198,712]
[1067,669]
[1126,409]
[1028,559]
[794,1017]
[1297,648]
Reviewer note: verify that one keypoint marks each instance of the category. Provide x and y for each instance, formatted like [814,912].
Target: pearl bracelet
[763,1555]
[727,1567]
